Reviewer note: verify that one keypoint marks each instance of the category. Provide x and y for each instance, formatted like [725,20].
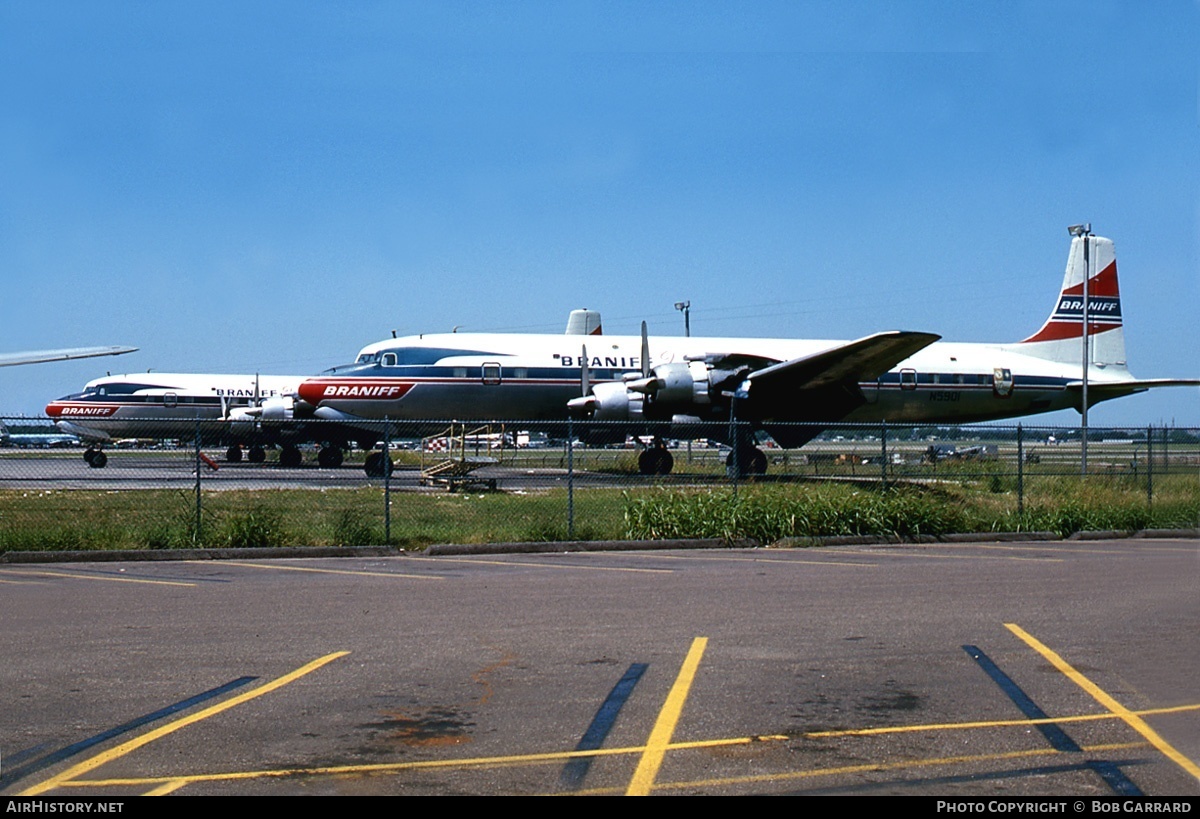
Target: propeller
[586,402]
[584,374]
[646,384]
[645,352]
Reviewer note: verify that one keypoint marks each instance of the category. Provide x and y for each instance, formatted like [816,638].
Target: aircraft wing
[862,360]
[40,356]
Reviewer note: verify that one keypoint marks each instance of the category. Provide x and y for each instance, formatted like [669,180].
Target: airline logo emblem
[81,410]
[1100,308]
[354,389]
[1103,314]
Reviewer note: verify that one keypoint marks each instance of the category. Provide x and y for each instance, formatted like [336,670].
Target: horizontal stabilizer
[1115,389]
[863,360]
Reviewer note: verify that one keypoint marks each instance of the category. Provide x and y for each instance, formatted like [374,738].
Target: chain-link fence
[182,484]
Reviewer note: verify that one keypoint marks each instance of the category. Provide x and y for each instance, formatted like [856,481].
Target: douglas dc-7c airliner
[897,376]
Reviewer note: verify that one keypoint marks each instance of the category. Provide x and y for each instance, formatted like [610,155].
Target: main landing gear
[751,461]
[656,459]
[376,465]
[95,457]
[289,456]
[233,455]
[330,457]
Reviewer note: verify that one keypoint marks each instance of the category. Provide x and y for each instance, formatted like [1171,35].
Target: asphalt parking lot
[982,669]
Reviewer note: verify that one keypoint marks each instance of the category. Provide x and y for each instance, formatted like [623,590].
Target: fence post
[1149,466]
[387,482]
[733,434]
[570,479]
[196,535]
[1020,472]
[883,450]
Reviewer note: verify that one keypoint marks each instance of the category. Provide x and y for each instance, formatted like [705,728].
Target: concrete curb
[547,547]
[880,540]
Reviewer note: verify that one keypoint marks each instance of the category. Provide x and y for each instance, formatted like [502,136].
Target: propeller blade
[645,352]
[584,376]
[582,406]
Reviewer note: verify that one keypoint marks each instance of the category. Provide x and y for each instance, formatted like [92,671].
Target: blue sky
[271,186]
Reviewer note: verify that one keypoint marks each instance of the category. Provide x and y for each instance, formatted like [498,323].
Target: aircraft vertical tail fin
[1059,339]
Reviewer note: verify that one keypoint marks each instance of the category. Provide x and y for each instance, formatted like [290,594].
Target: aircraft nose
[311,391]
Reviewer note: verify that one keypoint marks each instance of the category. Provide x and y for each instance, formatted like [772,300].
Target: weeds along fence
[187,483]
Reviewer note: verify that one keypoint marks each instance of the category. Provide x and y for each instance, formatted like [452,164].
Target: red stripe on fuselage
[314,391]
[82,409]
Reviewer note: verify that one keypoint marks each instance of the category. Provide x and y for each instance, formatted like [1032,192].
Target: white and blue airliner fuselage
[898,376]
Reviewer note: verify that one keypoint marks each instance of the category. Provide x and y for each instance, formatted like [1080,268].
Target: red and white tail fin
[1059,339]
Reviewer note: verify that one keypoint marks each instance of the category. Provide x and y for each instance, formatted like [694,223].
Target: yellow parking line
[664,726]
[868,767]
[174,781]
[283,568]
[124,748]
[1129,717]
[108,577]
[166,788]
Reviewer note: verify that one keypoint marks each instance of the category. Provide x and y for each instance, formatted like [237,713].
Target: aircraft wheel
[234,454]
[290,457]
[256,455]
[752,463]
[329,457]
[88,454]
[655,461]
[375,465]
[98,460]
[758,462]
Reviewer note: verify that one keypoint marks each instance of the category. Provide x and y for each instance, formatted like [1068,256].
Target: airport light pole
[685,307]
[1084,231]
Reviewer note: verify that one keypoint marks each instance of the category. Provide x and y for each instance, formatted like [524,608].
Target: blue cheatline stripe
[69,751]
[573,772]
[1110,772]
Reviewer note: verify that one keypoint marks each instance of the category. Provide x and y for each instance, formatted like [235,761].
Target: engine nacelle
[680,387]
[613,401]
[278,408]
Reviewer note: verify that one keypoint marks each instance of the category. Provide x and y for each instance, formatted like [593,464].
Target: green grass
[770,512]
[166,519]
